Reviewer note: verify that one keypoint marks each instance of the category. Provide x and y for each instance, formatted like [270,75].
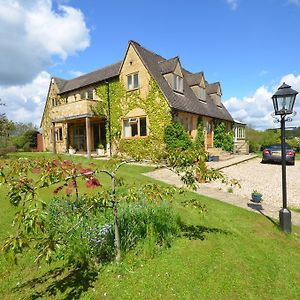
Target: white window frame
[177,83]
[130,121]
[132,85]
[240,133]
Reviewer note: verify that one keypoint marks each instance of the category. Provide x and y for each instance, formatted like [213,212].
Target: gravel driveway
[265,178]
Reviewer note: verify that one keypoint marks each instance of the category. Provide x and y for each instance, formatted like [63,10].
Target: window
[83,95]
[90,94]
[132,81]
[177,83]
[58,134]
[135,127]
[201,93]
[54,102]
[240,132]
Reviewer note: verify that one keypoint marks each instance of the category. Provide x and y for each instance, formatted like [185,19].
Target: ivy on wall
[121,103]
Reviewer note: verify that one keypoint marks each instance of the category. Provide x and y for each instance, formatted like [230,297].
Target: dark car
[273,154]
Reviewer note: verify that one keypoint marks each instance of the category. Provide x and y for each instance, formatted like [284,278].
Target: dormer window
[202,93]
[177,83]
[132,81]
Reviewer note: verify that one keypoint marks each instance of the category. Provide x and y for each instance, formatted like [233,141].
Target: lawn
[229,253]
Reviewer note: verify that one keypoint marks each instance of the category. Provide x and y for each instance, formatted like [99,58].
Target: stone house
[139,96]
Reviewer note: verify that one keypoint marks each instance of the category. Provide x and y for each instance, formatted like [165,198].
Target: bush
[176,137]
[91,236]
[82,240]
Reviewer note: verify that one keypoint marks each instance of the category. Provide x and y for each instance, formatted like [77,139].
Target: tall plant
[176,137]
[222,138]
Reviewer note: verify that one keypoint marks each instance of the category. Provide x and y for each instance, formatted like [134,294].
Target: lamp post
[283,102]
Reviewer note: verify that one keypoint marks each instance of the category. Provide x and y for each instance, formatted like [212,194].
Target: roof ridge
[150,51]
[55,77]
[172,58]
[96,70]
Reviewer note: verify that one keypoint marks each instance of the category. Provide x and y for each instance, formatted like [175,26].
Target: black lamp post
[283,101]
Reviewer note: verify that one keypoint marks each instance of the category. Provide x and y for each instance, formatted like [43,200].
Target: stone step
[220,153]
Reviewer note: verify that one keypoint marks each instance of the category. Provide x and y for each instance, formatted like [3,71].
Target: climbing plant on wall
[200,138]
[222,138]
[121,103]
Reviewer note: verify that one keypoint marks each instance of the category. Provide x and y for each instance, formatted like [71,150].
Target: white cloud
[255,110]
[76,73]
[233,4]
[32,33]
[25,103]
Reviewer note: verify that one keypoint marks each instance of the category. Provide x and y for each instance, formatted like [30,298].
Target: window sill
[134,137]
[178,92]
[135,89]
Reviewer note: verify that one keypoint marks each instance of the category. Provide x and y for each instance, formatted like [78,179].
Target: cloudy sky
[251,47]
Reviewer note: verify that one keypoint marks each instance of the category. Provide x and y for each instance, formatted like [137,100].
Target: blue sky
[249,46]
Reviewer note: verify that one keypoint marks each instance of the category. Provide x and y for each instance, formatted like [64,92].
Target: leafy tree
[260,139]
[5,126]
[19,128]
[25,138]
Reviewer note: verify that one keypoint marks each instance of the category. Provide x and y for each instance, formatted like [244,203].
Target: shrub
[91,237]
[82,240]
[176,137]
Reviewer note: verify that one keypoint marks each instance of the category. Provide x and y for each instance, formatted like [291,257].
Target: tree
[5,126]
[24,135]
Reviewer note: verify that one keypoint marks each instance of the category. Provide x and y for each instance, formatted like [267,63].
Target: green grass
[229,253]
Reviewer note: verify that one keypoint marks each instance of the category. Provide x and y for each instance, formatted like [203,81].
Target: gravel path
[265,178]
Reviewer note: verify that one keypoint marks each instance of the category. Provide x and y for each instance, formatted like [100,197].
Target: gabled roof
[168,66]
[90,78]
[183,102]
[194,79]
[60,83]
[214,88]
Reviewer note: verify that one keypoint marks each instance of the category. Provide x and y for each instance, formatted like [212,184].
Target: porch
[82,133]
